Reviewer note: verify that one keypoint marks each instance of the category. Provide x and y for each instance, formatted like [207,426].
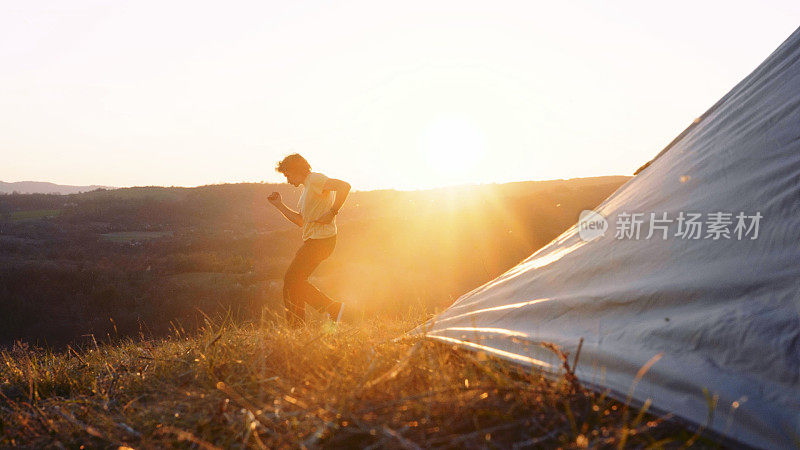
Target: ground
[261,385]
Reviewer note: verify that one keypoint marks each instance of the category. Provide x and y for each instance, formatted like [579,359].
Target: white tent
[723,313]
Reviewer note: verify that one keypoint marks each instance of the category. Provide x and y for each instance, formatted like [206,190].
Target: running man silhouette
[318,207]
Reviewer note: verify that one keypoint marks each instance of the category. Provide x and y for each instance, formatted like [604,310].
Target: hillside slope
[264,386]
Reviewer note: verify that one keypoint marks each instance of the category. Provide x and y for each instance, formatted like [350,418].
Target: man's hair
[293,162]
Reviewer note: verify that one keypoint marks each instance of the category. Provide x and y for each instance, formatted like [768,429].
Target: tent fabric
[723,315]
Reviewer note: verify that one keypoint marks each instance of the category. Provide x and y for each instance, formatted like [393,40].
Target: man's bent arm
[290,214]
[342,189]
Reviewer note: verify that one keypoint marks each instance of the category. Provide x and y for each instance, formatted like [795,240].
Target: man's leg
[295,311]
[297,291]
[313,296]
[292,299]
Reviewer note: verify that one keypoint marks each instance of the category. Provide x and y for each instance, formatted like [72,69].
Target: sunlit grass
[265,386]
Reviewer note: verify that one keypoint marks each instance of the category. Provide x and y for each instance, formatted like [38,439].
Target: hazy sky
[383,94]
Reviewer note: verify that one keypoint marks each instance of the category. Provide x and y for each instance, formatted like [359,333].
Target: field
[131,236]
[34,214]
[261,385]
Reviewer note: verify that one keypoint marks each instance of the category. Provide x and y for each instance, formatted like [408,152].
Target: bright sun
[453,148]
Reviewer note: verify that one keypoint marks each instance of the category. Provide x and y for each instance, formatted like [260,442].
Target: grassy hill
[105,299]
[264,386]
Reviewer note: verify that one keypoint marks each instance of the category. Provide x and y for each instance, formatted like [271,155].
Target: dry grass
[265,386]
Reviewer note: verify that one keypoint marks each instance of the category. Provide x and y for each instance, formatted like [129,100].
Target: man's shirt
[314,202]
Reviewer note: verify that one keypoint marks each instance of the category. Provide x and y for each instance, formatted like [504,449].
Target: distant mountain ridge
[43,187]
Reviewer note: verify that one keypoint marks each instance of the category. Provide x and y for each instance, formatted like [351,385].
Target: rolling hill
[43,187]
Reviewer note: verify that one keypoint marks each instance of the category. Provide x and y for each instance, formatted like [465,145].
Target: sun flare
[453,147]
